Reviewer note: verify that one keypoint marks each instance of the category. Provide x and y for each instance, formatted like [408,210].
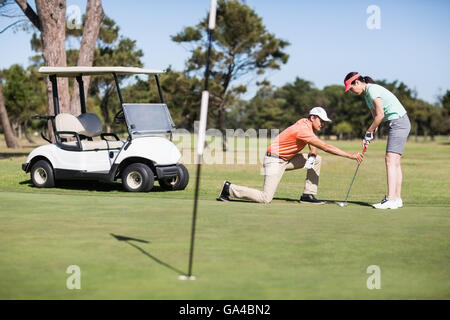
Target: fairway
[134,246]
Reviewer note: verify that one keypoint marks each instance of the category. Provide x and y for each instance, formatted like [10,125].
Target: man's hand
[312,154]
[357,156]
[312,150]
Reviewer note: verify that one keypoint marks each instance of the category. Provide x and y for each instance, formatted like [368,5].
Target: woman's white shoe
[387,204]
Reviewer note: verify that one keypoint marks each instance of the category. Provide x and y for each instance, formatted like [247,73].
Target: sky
[328,39]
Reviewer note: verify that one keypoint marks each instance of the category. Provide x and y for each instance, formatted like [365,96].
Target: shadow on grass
[128,239]
[239,200]
[7,155]
[89,185]
[360,203]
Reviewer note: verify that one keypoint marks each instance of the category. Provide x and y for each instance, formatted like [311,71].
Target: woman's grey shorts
[398,134]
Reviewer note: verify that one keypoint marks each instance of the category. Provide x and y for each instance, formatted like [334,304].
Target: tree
[110,50]
[93,20]
[299,97]
[10,140]
[444,121]
[121,53]
[50,20]
[445,101]
[9,10]
[24,94]
[343,130]
[346,108]
[264,110]
[241,46]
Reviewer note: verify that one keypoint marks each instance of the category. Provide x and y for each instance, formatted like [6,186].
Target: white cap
[320,112]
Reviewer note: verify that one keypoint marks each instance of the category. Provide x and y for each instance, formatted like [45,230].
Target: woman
[384,106]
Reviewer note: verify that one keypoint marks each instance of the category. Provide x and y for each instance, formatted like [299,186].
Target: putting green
[134,246]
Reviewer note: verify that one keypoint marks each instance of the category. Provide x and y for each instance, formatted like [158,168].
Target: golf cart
[82,151]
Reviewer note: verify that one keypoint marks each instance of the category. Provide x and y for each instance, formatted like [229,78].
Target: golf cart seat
[87,126]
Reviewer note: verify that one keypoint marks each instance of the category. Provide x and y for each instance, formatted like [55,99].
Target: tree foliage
[122,52]
[280,107]
[241,46]
[24,93]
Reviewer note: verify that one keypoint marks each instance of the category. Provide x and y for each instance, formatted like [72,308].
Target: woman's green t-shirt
[392,107]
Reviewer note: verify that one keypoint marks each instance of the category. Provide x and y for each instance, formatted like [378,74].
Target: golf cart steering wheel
[119,117]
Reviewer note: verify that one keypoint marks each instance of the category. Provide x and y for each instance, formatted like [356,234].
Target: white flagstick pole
[202,126]
[201,135]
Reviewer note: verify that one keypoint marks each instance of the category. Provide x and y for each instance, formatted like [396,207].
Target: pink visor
[348,83]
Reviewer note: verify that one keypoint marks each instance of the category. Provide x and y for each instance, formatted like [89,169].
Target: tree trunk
[14,129]
[94,17]
[29,13]
[416,132]
[222,106]
[104,106]
[52,15]
[27,132]
[19,130]
[222,125]
[50,20]
[10,140]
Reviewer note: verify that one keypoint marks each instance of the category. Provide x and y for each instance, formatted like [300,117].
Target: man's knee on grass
[266,197]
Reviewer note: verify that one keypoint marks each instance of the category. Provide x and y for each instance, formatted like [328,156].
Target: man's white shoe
[399,202]
[386,204]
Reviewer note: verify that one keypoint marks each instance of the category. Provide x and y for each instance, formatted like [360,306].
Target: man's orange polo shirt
[292,140]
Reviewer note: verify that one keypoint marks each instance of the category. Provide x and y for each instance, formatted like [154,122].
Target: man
[283,154]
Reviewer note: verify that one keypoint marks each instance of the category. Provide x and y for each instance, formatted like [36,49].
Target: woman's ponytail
[368,79]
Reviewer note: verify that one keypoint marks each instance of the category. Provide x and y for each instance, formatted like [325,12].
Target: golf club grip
[364,149]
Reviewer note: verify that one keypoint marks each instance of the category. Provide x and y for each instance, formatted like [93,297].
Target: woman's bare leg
[394,175]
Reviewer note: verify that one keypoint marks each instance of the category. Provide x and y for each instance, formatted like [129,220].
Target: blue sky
[328,38]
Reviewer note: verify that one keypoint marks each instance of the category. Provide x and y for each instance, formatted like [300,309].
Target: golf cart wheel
[42,174]
[176,183]
[138,177]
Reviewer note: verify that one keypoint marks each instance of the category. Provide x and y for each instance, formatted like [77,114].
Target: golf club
[345,203]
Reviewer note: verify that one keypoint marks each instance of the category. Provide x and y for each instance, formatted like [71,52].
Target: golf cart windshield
[147,119]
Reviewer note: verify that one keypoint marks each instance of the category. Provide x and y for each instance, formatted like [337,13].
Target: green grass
[284,250]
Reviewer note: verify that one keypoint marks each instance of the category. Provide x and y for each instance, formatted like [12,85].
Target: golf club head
[342,204]
[185,277]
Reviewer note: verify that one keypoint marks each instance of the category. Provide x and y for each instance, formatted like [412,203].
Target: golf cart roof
[77,71]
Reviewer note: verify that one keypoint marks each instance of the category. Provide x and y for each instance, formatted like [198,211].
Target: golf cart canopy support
[79,72]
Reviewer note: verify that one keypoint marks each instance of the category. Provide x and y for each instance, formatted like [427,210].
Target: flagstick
[201,137]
